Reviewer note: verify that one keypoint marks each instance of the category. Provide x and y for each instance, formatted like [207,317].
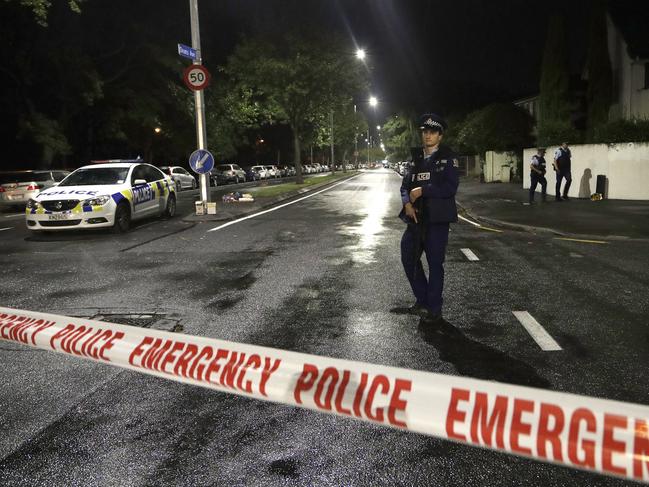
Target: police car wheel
[170,210]
[122,218]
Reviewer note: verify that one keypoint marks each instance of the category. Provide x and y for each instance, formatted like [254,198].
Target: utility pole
[199,100]
[368,147]
[331,124]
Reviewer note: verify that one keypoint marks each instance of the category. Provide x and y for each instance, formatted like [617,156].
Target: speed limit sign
[196,77]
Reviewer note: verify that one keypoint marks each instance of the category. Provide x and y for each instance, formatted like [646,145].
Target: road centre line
[600,242]
[281,206]
[7,228]
[15,216]
[468,253]
[538,333]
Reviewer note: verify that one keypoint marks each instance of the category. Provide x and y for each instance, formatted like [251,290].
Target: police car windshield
[96,175]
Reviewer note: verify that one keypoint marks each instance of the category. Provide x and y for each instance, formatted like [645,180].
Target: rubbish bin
[600,186]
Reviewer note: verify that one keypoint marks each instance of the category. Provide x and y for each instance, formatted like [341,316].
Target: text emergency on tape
[592,434]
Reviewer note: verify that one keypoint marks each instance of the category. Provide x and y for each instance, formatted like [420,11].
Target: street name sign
[186,51]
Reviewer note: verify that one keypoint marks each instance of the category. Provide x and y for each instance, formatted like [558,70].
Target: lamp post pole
[368,147]
[331,124]
[199,101]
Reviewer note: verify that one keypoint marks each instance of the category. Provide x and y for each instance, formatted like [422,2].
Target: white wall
[626,167]
[498,166]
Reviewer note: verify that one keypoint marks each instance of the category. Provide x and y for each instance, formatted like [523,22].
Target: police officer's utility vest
[564,159]
[433,170]
[540,166]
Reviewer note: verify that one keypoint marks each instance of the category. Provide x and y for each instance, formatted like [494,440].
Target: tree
[499,127]
[554,100]
[400,135]
[349,127]
[41,8]
[598,66]
[295,80]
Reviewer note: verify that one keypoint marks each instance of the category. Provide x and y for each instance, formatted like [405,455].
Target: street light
[373,101]
[360,54]
[157,130]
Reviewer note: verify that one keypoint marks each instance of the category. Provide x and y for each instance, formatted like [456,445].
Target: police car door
[159,186]
[144,196]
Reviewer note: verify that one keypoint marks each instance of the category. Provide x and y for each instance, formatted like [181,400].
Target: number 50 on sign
[196,77]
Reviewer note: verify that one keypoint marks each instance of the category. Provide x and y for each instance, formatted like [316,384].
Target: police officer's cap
[432,121]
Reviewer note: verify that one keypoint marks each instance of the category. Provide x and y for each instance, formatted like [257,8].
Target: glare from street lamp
[373,101]
[157,130]
[360,54]
[378,127]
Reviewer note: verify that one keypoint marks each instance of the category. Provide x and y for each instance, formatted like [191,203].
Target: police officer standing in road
[537,174]
[562,168]
[428,195]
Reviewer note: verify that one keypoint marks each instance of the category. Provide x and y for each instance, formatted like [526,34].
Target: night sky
[424,55]
[450,57]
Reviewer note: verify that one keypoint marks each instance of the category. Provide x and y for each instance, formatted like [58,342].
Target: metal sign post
[198,96]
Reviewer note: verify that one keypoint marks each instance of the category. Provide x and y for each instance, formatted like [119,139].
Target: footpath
[505,205]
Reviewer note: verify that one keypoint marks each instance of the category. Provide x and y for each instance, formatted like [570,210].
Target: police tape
[582,432]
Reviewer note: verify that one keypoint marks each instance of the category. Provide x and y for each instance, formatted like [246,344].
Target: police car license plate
[58,216]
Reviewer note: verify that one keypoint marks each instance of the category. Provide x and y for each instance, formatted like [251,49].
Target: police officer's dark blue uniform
[435,173]
[562,163]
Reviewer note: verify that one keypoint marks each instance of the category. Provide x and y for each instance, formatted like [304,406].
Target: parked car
[289,170]
[181,177]
[259,172]
[308,169]
[273,171]
[229,173]
[18,187]
[103,195]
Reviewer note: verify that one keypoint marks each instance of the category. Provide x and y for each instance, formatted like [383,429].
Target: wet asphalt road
[322,276]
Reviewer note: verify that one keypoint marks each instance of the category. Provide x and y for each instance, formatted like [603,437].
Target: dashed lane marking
[282,206]
[468,253]
[600,242]
[15,216]
[538,333]
[3,229]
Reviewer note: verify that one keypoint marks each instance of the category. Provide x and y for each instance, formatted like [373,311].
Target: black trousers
[566,188]
[536,179]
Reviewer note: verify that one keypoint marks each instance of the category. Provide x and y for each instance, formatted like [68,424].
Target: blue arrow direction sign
[201,161]
[186,51]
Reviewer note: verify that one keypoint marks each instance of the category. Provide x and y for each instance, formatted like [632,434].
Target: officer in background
[562,167]
[537,174]
[428,195]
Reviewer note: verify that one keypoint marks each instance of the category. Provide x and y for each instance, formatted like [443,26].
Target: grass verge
[278,189]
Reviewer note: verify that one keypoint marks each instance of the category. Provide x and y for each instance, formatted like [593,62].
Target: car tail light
[32,187]
[2,190]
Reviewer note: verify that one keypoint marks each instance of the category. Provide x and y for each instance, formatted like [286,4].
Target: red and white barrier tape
[582,432]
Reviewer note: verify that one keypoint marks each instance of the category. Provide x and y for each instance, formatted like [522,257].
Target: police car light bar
[106,161]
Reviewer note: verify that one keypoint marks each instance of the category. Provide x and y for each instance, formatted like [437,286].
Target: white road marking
[3,229]
[15,216]
[468,253]
[481,227]
[469,221]
[280,206]
[538,333]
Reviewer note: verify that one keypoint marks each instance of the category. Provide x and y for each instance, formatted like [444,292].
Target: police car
[106,194]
